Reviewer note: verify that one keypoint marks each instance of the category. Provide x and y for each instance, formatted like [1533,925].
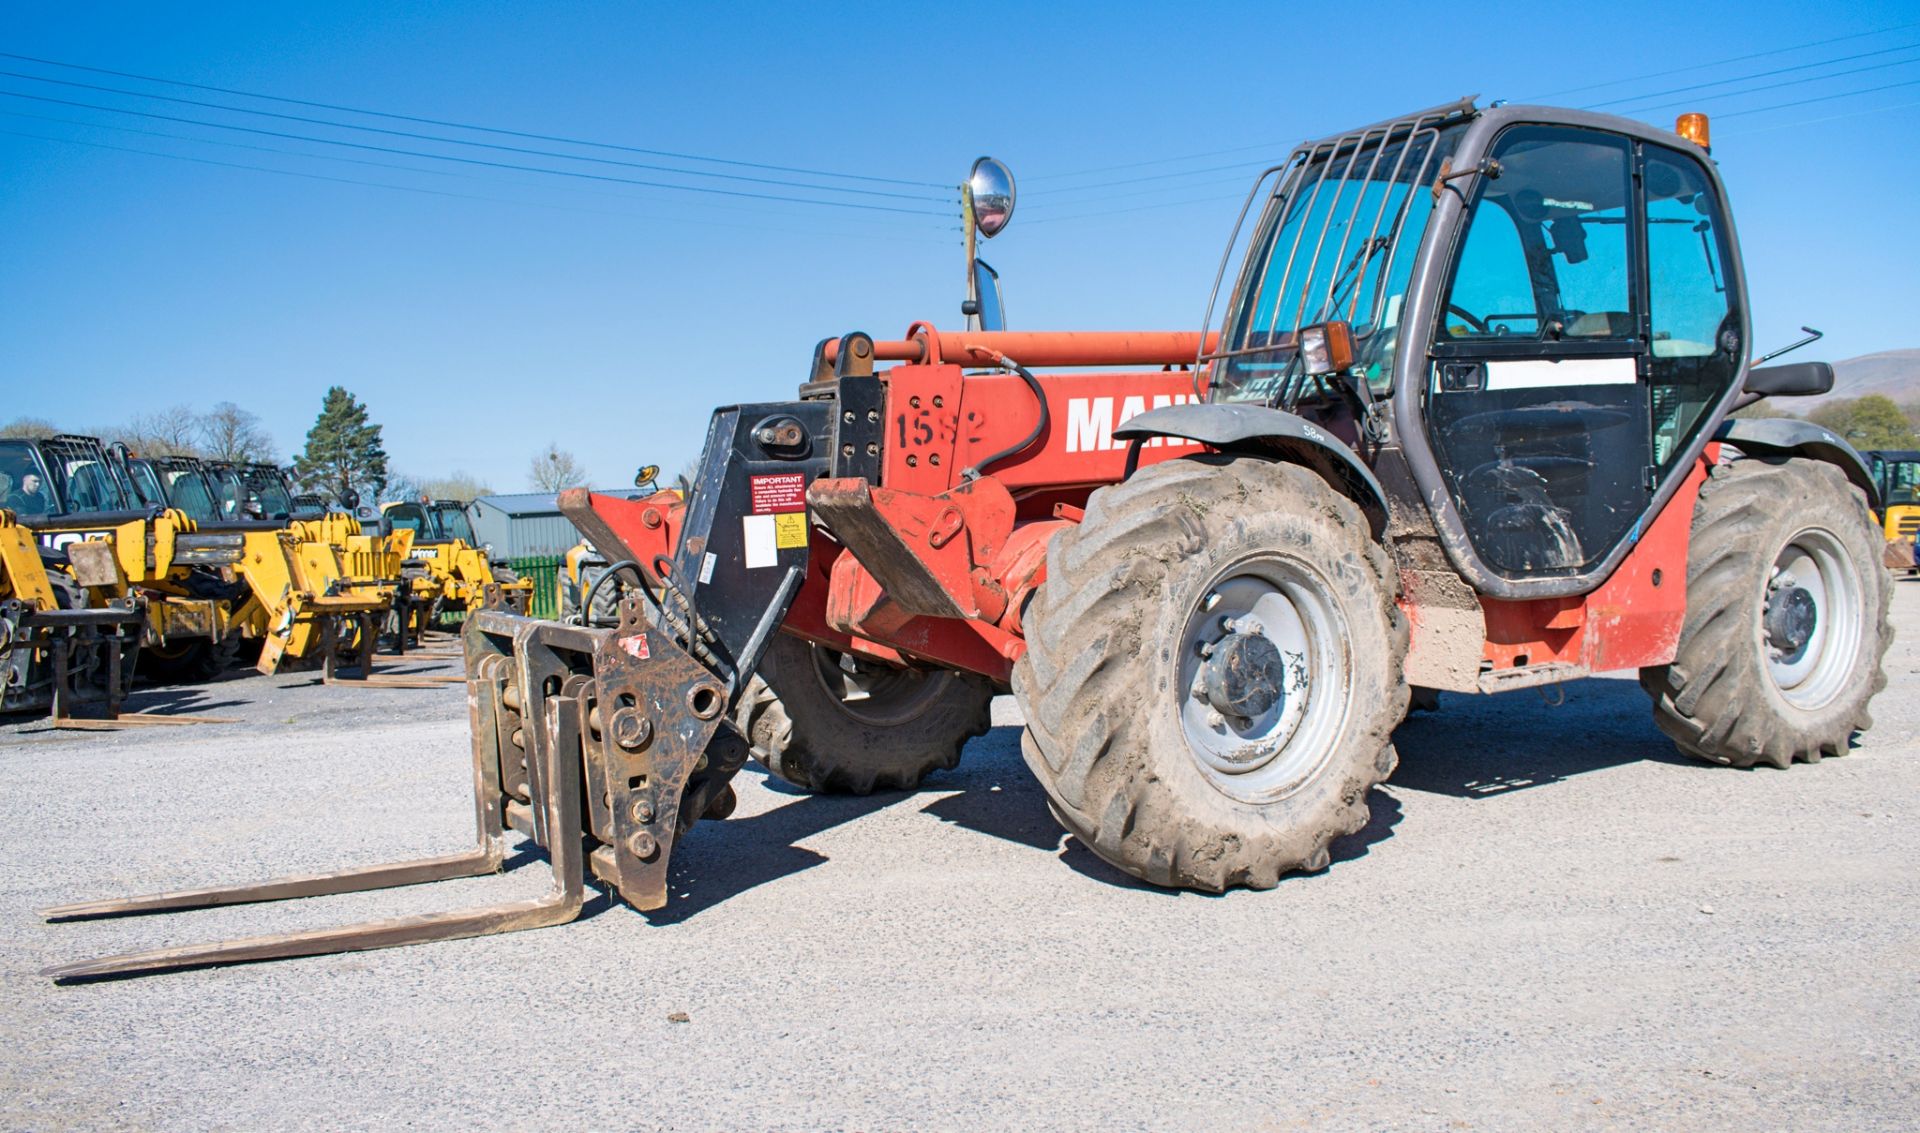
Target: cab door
[1538,402]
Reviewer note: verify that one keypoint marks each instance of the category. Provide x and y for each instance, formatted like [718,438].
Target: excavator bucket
[583,740]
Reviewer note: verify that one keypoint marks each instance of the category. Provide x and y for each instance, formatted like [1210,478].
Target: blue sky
[484,312]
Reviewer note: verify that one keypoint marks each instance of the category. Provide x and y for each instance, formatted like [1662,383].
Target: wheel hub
[1245,675]
[1263,677]
[1791,617]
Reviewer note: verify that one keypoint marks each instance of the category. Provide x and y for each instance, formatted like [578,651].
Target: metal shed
[529,523]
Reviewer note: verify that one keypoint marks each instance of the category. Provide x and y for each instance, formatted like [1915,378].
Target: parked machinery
[56,654]
[458,574]
[1464,425]
[309,592]
[96,527]
[1897,472]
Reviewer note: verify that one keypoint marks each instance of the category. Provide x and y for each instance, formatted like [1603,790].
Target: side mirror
[350,499]
[991,187]
[986,308]
[648,474]
[1794,379]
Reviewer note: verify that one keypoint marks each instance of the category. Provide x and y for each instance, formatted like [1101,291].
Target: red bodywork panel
[932,568]
[1631,621]
[649,527]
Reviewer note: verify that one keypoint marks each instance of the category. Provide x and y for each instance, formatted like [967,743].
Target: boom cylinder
[1041,348]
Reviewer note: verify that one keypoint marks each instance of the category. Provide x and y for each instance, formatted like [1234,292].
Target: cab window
[1545,256]
[410,516]
[1696,326]
[24,485]
[451,523]
[187,490]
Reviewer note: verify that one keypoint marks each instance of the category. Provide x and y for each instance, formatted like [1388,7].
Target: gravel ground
[1553,921]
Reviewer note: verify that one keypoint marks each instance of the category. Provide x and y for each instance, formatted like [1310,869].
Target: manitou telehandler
[1463,426]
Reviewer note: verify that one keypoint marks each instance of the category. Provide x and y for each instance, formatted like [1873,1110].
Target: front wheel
[1214,672]
[826,721]
[1786,618]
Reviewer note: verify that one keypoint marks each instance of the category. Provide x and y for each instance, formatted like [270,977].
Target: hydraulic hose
[974,471]
[593,591]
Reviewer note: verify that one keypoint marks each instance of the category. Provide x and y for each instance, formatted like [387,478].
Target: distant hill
[1892,373]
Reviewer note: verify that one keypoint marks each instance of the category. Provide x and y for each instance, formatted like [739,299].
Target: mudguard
[1779,435]
[1273,432]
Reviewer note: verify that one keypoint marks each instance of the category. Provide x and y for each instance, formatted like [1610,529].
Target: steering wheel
[1473,320]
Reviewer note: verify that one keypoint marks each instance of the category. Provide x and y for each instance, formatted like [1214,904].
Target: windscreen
[1902,479]
[269,491]
[84,482]
[186,489]
[25,487]
[145,483]
[450,522]
[232,493]
[1336,240]
[410,516]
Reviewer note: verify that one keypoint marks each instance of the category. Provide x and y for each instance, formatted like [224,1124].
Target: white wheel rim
[1810,673]
[1272,749]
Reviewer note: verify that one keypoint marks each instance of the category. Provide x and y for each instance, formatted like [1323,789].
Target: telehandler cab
[1463,426]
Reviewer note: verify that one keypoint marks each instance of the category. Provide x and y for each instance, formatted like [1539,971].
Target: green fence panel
[544,570]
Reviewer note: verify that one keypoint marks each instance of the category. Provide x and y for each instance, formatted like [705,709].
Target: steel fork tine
[557,907]
[556,750]
[471,863]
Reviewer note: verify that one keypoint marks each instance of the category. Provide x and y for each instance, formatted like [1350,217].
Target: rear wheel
[1786,618]
[1213,673]
[825,721]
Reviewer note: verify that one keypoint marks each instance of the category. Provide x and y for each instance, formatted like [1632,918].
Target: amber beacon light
[1693,127]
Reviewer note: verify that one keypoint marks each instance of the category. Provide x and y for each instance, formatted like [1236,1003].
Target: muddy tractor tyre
[1214,670]
[1786,618]
[808,722]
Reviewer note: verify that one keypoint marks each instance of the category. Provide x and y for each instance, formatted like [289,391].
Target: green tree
[343,452]
[1868,422]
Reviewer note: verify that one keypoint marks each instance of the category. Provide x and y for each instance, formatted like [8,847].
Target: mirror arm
[1812,336]
[1490,167]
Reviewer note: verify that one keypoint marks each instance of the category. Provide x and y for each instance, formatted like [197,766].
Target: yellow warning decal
[790,529]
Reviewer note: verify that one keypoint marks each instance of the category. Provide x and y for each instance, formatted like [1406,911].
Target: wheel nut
[642,845]
[630,729]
